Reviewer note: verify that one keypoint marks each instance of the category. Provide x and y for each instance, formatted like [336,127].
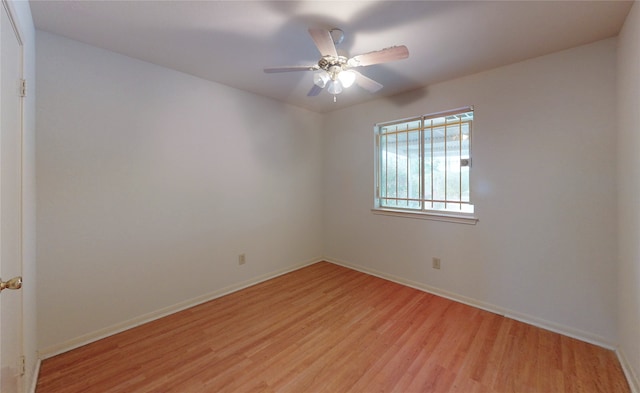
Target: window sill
[447,217]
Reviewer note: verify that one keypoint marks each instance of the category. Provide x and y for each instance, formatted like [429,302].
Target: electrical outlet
[436,263]
[242,259]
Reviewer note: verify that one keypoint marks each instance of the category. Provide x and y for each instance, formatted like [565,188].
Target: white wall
[22,13]
[151,182]
[543,185]
[629,191]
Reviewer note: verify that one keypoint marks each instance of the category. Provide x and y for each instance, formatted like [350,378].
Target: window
[423,164]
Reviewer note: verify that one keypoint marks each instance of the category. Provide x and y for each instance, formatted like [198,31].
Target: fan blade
[271,70]
[381,56]
[367,83]
[315,90]
[324,42]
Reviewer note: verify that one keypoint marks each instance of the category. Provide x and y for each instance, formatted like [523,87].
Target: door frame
[11,15]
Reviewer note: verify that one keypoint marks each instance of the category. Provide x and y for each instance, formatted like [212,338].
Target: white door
[10,204]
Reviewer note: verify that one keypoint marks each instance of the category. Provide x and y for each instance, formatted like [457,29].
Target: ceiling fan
[336,72]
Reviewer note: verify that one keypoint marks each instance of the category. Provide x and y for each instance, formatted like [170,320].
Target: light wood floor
[326,328]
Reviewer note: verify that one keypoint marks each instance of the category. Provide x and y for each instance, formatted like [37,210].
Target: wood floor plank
[326,328]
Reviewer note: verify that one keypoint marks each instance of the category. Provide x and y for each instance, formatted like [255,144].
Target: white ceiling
[230,42]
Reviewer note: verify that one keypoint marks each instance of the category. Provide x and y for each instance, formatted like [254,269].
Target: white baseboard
[528,319]
[34,377]
[632,377]
[152,316]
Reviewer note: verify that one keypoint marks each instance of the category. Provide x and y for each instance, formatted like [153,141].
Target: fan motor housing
[328,62]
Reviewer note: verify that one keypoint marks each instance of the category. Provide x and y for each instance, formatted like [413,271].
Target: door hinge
[23,365]
[23,87]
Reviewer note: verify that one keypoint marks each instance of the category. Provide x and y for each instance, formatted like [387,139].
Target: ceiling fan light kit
[321,78]
[334,72]
[334,87]
[347,78]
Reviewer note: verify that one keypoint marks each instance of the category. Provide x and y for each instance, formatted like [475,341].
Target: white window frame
[424,211]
